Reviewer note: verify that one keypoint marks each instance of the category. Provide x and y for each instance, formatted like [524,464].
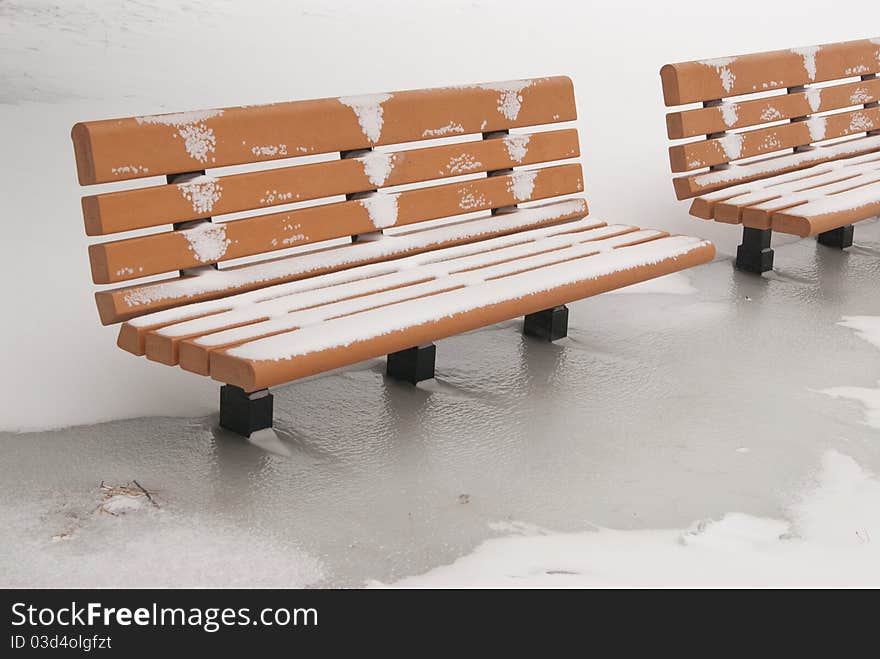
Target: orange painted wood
[252,375]
[704,153]
[131,258]
[120,149]
[207,196]
[791,221]
[128,302]
[705,121]
[706,80]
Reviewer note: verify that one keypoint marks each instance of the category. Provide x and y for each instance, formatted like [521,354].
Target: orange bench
[354,261]
[807,161]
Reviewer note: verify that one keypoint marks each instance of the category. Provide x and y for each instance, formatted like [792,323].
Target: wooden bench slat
[207,196]
[369,334]
[754,192]
[131,301]
[830,211]
[413,278]
[731,115]
[209,243]
[327,287]
[697,184]
[711,79]
[735,146]
[120,149]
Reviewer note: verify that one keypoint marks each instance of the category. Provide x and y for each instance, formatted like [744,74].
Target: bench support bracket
[550,324]
[841,238]
[245,413]
[413,364]
[755,255]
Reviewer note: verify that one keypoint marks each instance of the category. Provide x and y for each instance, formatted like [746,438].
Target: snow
[865,195]
[827,538]
[809,55]
[202,191]
[730,113]
[462,164]
[555,272]
[517,146]
[382,208]
[521,184]
[868,329]
[732,145]
[509,96]
[178,119]
[816,126]
[721,65]
[814,97]
[207,241]
[451,128]
[368,109]
[377,166]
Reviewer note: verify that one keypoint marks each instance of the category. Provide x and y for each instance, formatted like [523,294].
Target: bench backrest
[185,147]
[804,113]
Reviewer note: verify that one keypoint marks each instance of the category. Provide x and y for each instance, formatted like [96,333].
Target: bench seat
[805,202]
[289,331]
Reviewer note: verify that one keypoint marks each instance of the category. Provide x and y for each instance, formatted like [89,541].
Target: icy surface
[825,539]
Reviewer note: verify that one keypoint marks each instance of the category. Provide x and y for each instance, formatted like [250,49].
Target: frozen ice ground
[706,395]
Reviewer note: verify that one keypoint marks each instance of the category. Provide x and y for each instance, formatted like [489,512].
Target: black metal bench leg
[550,324]
[755,255]
[840,238]
[413,364]
[245,413]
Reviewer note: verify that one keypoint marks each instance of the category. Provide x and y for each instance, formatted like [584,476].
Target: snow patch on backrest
[522,184]
[377,166]
[732,145]
[449,129]
[721,65]
[860,122]
[382,209]
[368,109]
[859,96]
[207,241]
[809,55]
[201,191]
[730,113]
[517,146]
[817,128]
[814,97]
[510,96]
[199,139]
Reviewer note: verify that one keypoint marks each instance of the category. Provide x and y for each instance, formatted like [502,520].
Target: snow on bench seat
[450,297]
[131,302]
[805,202]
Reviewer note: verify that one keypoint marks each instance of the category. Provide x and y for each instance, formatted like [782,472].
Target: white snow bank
[867,328]
[828,538]
[69,545]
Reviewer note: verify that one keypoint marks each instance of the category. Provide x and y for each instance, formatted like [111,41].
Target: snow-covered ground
[709,428]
